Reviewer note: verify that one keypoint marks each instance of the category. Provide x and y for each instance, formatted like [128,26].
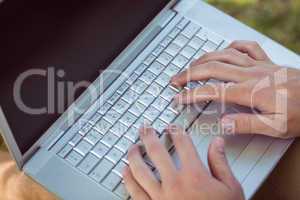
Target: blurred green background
[278,19]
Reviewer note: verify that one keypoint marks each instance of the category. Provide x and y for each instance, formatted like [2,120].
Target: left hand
[191,181]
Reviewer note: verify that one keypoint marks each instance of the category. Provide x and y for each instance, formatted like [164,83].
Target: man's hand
[190,181]
[252,80]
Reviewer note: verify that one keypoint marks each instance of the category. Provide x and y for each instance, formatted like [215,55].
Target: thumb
[218,163]
[243,123]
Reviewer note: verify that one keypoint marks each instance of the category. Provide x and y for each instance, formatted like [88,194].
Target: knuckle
[133,152]
[253,45]
[153,147]
[235,44]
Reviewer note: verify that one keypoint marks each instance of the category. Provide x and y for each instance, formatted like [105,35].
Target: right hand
[252,81]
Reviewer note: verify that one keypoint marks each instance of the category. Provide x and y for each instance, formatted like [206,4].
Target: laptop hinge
[169,16]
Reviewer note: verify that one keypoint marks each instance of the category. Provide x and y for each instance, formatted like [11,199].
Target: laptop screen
[46,43]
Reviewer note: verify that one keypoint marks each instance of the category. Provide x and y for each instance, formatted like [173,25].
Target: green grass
[279,19]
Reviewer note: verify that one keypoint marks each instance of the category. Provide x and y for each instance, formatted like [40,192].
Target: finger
[157,153]
[218,163]
[187,153]
[141,172]
[222,92]
[229,56]
[133,188]
[211,70]
[253,49]
[243,123]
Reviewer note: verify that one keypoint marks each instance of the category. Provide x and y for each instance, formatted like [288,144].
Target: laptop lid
[47,43]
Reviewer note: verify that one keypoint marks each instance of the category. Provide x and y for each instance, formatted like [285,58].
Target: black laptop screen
[75,37]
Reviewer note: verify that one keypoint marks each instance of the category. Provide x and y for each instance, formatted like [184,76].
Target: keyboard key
[74,158]
[172,70]
[119,129]
[209,46]
[140,69]
[156,68]
[168,116]
[114,155]
[199,54]
[114,98]
[128,119]
[160,104]
[190,30]
[102,169]
[75,140]
[100,150]
[166,41]
[151,113]
[111,181]
[168,94]
[104,108]
[188,116]
[149,59]
[123,88]
[132,134]
[93,137]
[159,126]
[173,49]
[65,150]
[196,43]
[164,58]
[148,77]
[109,139]
[102,126]
[124,144]
[85,129]
[141,122]
[88,163]
[83,147]
[132,78]
[146,99]
[180,61]
[121,106]
[137,108]
[139,86]
[122,192]
[112,116]
[183,23]
[193,85]
[130,96]
[174,32]
[205,34]
[158,50]
[163,79]
[119,168]
[181,40]
[95,118]
[154,89]
[188,52]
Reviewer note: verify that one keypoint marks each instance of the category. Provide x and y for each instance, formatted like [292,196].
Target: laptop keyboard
[99,149]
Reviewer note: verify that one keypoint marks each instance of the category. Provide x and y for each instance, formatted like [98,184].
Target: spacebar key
[188,116]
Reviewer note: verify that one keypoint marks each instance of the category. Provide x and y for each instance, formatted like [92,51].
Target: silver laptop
[82,154]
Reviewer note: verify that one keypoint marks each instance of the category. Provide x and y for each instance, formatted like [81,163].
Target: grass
[278,19]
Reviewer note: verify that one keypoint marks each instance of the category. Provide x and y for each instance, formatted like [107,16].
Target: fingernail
[125,171]
[220,144]
[144,129]
[228,125]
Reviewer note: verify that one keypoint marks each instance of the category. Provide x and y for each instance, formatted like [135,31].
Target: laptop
[126,51]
